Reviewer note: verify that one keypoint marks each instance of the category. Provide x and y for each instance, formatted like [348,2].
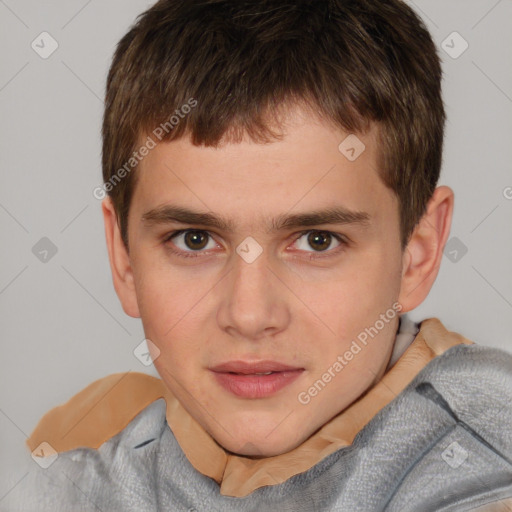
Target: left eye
[320,241]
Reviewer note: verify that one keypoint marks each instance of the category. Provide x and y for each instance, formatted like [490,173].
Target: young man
[272,214]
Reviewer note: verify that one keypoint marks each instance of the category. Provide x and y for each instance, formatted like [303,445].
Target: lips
[255,379]
[247,368]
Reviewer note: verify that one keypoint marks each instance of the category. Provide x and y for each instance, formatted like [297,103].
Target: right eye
[189,242]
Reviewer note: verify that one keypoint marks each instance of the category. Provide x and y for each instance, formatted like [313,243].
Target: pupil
[195,237]
[319,237]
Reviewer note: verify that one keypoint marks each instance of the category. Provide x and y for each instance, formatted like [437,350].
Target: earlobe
[120,265]
[423,254]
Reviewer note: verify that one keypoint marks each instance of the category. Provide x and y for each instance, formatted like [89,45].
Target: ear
[424,252]
[120,265]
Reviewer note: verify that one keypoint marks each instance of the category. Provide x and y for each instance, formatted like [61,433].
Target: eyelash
[195,254]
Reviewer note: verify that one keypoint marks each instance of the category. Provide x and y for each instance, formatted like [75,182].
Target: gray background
[61,323]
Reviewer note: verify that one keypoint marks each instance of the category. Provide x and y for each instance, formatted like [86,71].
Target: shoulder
[107,478]
[451,424]
[98,412]
[478,365]
[476,383]
[458,409]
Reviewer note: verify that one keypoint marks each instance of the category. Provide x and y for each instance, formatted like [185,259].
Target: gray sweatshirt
[444,444]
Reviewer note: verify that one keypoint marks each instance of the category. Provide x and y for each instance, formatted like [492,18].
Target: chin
[262,446]
[262,433]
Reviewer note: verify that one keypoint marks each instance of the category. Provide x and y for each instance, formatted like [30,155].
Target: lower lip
[256,386]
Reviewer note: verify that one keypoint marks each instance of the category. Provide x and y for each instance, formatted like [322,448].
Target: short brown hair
[353,62]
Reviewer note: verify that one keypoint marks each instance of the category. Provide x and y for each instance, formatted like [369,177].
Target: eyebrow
[338,215]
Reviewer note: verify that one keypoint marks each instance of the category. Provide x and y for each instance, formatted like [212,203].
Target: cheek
[162,299]
[170,307]
[380,273]
[368,290]
[368,281]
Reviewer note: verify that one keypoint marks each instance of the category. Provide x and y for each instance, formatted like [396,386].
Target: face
[267,275]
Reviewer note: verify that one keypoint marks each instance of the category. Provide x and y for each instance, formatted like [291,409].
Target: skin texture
[286,305]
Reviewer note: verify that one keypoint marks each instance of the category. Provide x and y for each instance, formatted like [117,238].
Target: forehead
[313,164]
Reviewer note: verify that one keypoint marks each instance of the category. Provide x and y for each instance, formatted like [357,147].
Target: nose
[254,301]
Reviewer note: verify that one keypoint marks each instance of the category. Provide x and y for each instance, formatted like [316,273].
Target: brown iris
[319,240]
[196,240]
